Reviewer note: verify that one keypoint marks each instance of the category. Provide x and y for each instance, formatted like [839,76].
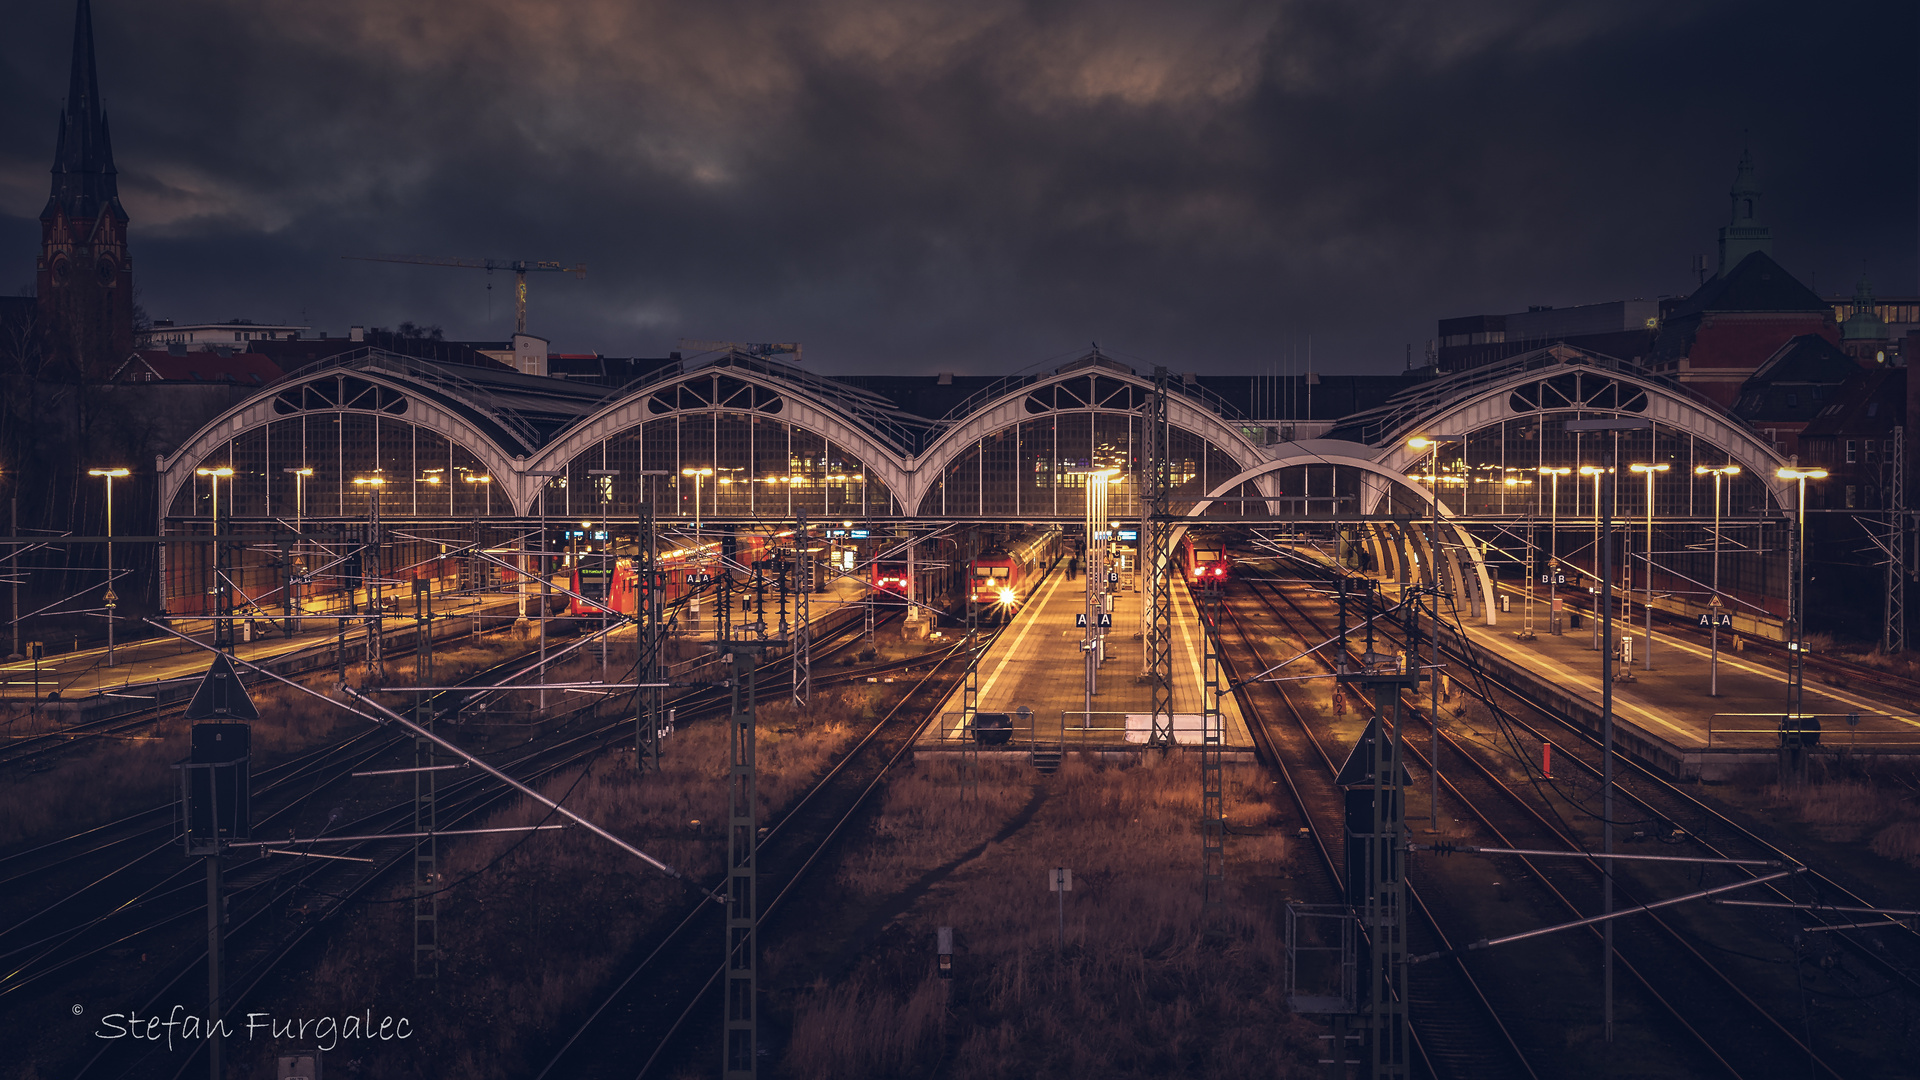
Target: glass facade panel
[1031,470]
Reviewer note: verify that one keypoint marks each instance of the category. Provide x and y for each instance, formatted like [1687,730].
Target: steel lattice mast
[1157,555]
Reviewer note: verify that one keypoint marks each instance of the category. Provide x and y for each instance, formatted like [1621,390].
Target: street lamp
[111,599]
[1432,443]
[370,575]
[1553,545]
[546,582]
[1713,605]
[697,475]
[222,625]
[1093,641]
[1649,471]
[603,481]
[486,480]
[223,472]
[1797,601]
[1596,472]
[299,508]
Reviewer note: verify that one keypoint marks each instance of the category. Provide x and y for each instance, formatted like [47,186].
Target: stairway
[1046,761]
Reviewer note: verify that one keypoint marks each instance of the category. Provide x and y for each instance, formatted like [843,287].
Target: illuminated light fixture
[1008,597]
[221,471]
[111,473]
[478,479]
[1724,470]
[369,481]
[305,470]
[1551,470]
[1659,468]
[1800,474]
[1593,470]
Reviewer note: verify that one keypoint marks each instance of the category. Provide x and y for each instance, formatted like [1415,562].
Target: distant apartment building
[201,336]
[1618,328]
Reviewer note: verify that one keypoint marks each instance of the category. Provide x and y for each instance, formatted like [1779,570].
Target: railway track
[1457,1031]
[1822,668]
[650,1010]
[1676,948]
[144,901]
[646,1020]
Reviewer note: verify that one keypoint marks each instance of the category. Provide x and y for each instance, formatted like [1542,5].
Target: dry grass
[1148,984]
[1879,809]
[119,775]
[534,925]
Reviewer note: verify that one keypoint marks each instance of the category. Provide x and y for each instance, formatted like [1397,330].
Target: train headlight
[1008,597]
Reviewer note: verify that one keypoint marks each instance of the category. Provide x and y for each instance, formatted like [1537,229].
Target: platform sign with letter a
[1722,619]
[1060,879]
[1103,620]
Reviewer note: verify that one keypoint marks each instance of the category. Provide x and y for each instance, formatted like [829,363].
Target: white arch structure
[176,469]
[1361,458]
[1493,403]
[798,407]
[1009,409]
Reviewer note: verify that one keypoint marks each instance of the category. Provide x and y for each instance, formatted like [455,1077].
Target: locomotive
[999,581]
[683,570]
[1204,557]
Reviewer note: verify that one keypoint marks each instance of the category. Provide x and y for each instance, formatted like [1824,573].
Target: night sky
[979,187]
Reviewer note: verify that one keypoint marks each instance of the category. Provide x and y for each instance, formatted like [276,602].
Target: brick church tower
[85,276]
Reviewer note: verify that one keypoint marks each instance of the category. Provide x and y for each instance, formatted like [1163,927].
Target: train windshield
[593,583]
[1206,555]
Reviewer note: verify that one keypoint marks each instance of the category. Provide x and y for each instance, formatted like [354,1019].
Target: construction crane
[520,268]
[746,348]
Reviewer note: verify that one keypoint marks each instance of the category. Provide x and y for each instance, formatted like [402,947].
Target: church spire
[1743,234]
[84,180]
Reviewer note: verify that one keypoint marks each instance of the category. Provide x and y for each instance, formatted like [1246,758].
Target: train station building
[728,441]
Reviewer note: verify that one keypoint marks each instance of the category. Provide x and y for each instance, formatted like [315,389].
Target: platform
[1670,707]
[158,669]
[1037,662]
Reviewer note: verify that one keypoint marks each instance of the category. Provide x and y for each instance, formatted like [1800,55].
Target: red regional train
[890,575]
[1001,580]
[621,593]
[1204,557]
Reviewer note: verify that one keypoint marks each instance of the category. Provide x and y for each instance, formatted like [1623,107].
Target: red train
[890,575]
[1204,557]
[684,570]
[1002,579]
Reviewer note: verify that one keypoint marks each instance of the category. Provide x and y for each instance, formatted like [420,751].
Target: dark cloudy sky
[913,186]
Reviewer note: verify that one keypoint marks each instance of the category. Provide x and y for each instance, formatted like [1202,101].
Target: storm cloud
[909,186]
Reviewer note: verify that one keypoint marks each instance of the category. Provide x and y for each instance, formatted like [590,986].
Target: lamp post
[222,627]
[1603,558]
[605,487]
[110,599]
[1797,578]
[1432,442]
[540,564]
[1553,546]
[1596,472]
[487,481]
[370,571]
[299,475]
[1096,580]
[698,475]
[1649,471]
[1713,618]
